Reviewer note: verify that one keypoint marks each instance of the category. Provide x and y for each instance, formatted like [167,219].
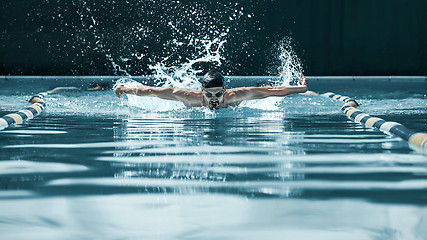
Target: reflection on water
[221,148]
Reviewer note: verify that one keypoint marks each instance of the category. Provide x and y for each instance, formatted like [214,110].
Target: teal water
[93,167]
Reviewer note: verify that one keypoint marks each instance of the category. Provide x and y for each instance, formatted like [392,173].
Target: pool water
[92,166]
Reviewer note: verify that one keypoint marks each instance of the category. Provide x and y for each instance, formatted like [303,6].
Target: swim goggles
[218,94]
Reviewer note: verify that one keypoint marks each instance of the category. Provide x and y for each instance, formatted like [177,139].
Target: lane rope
[394,128]
[36,107]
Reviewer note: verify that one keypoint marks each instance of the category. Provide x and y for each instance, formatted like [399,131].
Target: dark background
[109,37]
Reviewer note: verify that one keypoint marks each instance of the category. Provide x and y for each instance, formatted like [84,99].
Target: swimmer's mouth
[214,104]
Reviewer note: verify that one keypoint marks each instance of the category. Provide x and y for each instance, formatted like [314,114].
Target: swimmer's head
[213,89]
[213,79]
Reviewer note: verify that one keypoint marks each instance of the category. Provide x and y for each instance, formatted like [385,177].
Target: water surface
[91,167]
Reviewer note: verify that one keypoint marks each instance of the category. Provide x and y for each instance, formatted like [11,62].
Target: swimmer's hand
[119,90]
[303,82]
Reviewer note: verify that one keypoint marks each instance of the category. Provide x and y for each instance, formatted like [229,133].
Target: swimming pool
[91,166]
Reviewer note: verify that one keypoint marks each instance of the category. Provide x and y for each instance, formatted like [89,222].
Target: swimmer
[214,94]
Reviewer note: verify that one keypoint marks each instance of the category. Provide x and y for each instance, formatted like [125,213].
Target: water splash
[117,68]
[290,69]
[185,75]
[289,73]
[125,37]
[182,76]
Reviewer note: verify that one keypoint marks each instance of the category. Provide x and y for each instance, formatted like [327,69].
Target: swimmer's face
[214,96]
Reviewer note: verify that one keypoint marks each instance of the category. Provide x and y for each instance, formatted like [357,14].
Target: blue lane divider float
[394,128]
[36,107]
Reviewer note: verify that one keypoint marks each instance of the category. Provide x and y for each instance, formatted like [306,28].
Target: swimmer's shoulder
[243,91]
[238,95]
[189,97]
[187,92]
[235,96]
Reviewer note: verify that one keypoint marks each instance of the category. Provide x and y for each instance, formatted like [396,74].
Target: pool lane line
[36,107]
[393,128]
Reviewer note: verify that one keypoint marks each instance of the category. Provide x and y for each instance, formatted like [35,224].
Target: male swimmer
[214,93]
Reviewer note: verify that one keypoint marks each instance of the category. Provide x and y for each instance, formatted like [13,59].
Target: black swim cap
[213,79]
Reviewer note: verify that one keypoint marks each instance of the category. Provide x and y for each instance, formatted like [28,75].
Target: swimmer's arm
[264,92]
[167,93]
[145,91]
[282,91]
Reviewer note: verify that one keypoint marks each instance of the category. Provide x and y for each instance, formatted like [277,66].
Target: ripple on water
[34,132]
[29,167]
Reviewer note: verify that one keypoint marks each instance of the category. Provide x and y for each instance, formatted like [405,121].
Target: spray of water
[182,76]
[289,73]
[185,76]
[117,68]
[290,69]
[126,37]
